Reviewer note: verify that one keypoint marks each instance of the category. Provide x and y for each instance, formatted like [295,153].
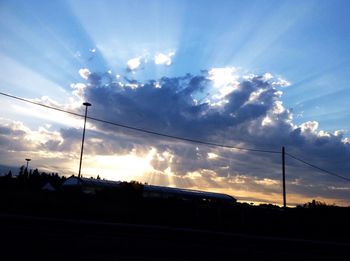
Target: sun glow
[118,167]
[65,59]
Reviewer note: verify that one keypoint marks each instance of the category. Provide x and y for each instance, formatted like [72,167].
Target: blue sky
[63,52]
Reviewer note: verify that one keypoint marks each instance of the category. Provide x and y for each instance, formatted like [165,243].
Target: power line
[318,168]
[182,138]
[141,129]
[174,137]
[40,104]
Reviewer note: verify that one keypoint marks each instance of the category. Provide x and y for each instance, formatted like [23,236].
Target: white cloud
[346,140]
[281,82]
[309,127]
[193,175]
[278,107]
[254,96]
[267,182]
[339,133]
[266,121]
[225,80]
[223,76]
[212,155]
[267,76]
[84,73]
[134,63]
[47,101]
[131,85]
[164,59]
[157,85]
[323,133]
[78,89]
[24,138]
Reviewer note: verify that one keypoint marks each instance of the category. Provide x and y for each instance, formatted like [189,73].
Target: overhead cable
[318,168]
[141,129]
[174,137]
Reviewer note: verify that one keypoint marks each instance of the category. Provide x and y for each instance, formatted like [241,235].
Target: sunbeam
[243,78]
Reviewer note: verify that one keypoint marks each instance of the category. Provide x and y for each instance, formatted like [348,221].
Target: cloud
[225,80]
[78,89]
[201,106]
[281,82]
[219,105]
[134,63]
[164,59]
[16,137]
[84,73]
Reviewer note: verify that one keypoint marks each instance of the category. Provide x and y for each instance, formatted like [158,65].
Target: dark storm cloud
[250,115]
[169,108]
[177,106]
[172,108]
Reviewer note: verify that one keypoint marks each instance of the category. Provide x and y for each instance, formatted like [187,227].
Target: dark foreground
[34,238]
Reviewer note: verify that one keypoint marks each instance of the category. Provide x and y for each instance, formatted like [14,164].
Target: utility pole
[86,104]
[284,176]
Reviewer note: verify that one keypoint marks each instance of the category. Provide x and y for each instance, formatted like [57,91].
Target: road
[34,238]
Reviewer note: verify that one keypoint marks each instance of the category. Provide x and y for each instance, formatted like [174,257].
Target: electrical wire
[174,137]
[318,168]
[141,129]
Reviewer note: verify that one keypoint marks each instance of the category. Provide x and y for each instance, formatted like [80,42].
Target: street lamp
[86,104]
[28,162]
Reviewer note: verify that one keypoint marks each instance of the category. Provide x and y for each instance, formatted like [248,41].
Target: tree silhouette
[36,172]
[21,171]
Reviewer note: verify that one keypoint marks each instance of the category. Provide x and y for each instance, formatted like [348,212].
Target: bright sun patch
[118,167]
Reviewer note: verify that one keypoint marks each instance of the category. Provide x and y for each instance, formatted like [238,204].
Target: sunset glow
[254,75]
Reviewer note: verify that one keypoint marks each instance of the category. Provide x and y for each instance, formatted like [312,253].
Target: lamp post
[28,162]
[86,104]
[284,176]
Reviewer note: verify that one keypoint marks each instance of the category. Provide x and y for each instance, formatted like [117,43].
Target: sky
[246,74]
